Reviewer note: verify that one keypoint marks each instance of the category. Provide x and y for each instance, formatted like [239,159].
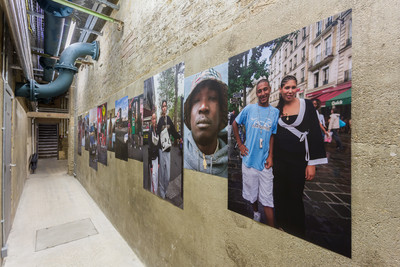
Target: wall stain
[235,254]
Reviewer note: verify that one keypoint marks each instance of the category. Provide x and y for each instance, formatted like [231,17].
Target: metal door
[7,114]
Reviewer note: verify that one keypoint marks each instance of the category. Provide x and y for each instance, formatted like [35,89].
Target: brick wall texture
[205,33]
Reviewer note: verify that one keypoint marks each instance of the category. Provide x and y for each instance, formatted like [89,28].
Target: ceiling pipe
[16,16]
[66,69]
[90,23]
[54,20]
[91,12]
[106,3]
[53,30]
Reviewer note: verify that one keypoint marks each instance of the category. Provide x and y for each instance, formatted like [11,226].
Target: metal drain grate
[64,233]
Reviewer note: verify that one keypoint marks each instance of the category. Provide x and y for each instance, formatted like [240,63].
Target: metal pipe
[90,12]
[90,31]
[113,6]
[36,14]
[17,22]
[53,31]
[15,67]
[79,60]
[90,23]
[66,69]
[54,17]
[33,135]
[3,231]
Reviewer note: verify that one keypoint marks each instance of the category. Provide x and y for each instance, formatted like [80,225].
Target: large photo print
[162,132]
[289,133]
[206,118]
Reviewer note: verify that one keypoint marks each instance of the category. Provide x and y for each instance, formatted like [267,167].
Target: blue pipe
[53,30]
[55,9]
[66,69]
[54,18]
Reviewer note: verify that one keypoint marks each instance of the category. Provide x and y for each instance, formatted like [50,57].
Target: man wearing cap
[165,128]
[260,121]
[206,114]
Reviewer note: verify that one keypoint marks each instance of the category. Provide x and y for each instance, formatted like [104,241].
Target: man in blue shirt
[260,121]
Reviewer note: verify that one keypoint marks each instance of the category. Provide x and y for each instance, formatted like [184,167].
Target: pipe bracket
[60,66]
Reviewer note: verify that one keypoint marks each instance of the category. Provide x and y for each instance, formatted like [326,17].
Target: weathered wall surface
[1,123]
[204,34]
[21,127]
[21,151]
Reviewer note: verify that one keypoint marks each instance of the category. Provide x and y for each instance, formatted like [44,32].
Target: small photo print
[111,130]
[121,128]
[81,130]
[86,126]
[102,133]
[135,128]
[93,155]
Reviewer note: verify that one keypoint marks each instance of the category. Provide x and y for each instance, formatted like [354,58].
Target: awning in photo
[342,99]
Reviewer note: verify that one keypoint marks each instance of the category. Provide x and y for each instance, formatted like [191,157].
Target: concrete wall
[204,34]
[20,153]
[21,129]
[1,122]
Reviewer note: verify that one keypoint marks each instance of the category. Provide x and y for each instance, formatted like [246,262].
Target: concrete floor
[52,199]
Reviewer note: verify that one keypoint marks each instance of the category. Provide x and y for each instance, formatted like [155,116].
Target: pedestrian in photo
[334,127]
[321,118]
[232,117]
[260,121]
[165,128]
[206,114]
[298,147]
[153,154]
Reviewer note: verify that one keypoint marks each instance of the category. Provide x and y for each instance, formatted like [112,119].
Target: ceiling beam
[48,115]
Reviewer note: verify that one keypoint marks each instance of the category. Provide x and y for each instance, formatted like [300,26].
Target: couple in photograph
[282,147]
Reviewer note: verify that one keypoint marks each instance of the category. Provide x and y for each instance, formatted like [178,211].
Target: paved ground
[327,199]
[54,201]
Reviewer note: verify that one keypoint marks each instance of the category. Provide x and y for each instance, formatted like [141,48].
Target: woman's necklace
[259,121]
[286,114]
[292,111]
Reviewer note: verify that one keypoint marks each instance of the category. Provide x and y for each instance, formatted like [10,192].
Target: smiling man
[260,121]
[206,114]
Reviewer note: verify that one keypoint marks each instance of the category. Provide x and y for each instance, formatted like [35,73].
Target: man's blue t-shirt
[260,123]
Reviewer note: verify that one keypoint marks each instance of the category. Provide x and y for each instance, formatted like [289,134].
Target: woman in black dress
[298,147]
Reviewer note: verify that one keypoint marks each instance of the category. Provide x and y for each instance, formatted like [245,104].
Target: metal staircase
[48,141]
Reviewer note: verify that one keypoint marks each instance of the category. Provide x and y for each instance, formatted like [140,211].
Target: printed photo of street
[318,60]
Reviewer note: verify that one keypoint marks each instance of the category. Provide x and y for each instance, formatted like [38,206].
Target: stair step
[47,141]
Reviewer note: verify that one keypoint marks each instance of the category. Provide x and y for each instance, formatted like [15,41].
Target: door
[7,114]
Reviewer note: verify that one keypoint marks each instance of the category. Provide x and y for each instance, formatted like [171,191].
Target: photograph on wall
[86,126]
[121,128]
[102,133]
[93,156]
[290,137]
[163,131]
[111,130]
[80,135]
[206,119]
[135,128]
[83,130]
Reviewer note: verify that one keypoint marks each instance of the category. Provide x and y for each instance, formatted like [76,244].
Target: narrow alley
[58,224]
